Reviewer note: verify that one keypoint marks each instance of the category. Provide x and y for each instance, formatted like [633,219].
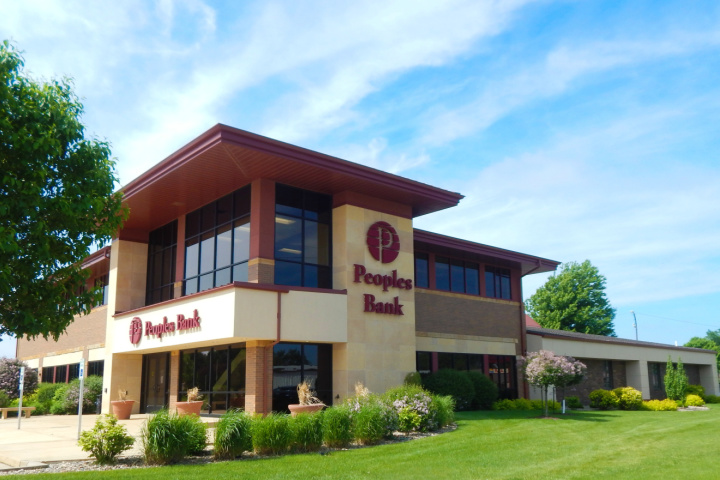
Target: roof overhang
[456,247]
[224,159]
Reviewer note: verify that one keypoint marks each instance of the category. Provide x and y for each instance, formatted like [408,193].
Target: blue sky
[575,129]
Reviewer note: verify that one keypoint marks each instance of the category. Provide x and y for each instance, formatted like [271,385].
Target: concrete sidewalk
[53,438]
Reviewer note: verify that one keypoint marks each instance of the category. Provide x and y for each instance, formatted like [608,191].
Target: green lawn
[505,445]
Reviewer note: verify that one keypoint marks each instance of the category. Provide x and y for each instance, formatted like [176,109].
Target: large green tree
[574,300]
[56,202]
[707,343]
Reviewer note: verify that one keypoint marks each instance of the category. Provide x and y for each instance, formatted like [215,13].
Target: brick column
[258,377]
[174,379]
[261,267]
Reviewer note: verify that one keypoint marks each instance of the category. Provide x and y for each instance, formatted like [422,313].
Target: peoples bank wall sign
[384,245]
[137,327]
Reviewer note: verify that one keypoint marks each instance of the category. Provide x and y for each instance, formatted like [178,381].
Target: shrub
[523,404]
[603,399]
[337,424]
[537,404]
[271,434]
[445,405]
[4,399]
[676,380]
[628,398]
[414,408]
[666,405]
[44,397]
[413,378]
[368,423]
[57,406]
[486,392]
[504,404]
[694,401]
[388,412]
[232,435]
[10,378]
[447,381]
[169,437]
[698,390]
[106,440]
[712,399]
[307,431]
[91,390]
[573,402]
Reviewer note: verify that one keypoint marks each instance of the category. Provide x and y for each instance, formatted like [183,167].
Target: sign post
[80,396]
[21,387]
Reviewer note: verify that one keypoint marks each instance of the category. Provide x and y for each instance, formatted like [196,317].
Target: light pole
[635,324]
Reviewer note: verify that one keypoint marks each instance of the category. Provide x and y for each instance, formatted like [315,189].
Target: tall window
[497,283]
[457,276]
[422,273]
[302,238]
[217,243]
[219,375]
[162,248]
[102,282]
[294,363]
[608,375]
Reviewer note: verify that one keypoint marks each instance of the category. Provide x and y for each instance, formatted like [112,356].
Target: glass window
[456,276]
[442,273]
[219,374]
[423,362]
[217,243]
[497,283]
[162,250]
[302,238]
[608,375]
[294,363]
[422,277]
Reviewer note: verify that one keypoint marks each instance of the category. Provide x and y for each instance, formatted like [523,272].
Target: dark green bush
[307,431]
[573,402]
[271,435]
[4,399]
[232,435]
[447,381]
[44,397]
[413,378]
[698,390]
[57,406]
[337,426]
[711,399]
[486,392]
[169,437]
[603,399]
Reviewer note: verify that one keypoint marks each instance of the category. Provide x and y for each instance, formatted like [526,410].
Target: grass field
[504,445]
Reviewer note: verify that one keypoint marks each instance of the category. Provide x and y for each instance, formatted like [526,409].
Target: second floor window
[303,222]
[497,283]
[217,243]
[162,247]
[457,276]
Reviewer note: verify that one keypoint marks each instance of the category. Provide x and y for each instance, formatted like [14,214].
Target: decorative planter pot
[297,408]
[189,408]
[122,408]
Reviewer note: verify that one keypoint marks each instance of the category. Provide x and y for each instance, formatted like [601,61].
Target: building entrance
[155,382]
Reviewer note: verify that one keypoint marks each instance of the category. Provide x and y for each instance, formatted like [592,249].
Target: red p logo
[135,330]
[383,242]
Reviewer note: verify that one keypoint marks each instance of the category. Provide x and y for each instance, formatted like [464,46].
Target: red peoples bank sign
[159,329]
[384,245]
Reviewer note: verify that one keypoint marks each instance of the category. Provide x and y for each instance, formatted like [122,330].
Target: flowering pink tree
[543,369]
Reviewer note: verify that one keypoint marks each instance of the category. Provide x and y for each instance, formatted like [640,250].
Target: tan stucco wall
[636,358]
[435,342]
[380,348]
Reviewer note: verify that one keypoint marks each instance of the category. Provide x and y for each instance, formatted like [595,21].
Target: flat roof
[224,159]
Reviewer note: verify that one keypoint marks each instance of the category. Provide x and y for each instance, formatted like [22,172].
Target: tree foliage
[10,378]
[56,201]
[544,369]
[574,300]
[676,380]
[710,342]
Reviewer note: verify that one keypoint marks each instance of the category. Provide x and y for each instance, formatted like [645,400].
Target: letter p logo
[383,242]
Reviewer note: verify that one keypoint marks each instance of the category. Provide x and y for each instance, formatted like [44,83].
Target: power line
[676,320]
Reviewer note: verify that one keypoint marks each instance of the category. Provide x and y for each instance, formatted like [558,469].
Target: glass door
[155,382]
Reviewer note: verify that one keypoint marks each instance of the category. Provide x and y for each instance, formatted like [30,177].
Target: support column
[709,379]
[261,266]
[637,377]
[259,377]
[174,379]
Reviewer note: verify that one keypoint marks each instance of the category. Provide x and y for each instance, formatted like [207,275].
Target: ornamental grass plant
[232,435]
[337,426]
[307,432]
[168,437]
[271,435]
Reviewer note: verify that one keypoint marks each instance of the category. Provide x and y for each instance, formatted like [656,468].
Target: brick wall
[458,314]
[594,379]
[86,331]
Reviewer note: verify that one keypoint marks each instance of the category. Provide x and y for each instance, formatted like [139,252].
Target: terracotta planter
[297,408]
[189,408]
[122,408]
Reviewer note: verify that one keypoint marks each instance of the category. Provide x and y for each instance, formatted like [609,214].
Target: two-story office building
[247,265]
